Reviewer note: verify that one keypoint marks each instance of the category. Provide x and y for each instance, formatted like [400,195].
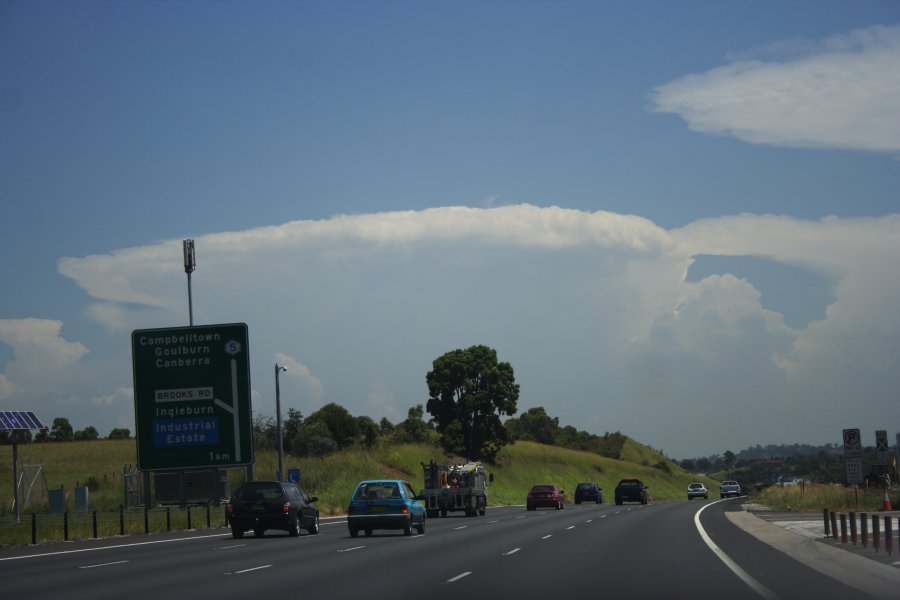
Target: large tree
[469,392]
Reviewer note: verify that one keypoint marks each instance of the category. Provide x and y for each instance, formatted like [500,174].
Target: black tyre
[314,528]
[420,528]
[294,527]
[353,531]
[407,529]
[236,533]
[259,532]
[368,532]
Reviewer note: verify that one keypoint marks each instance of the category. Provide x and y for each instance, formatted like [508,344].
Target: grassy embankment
[813,497]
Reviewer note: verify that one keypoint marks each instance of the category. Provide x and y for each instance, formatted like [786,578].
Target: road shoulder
[871,577]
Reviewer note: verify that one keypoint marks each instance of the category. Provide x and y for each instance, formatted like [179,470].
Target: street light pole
[278,423]
[190,263]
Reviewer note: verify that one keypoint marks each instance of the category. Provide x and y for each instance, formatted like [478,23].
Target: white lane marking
[460,576]
[250,570]
[230,547]
[570,527]
[112,547]
[351,549]
[494,521]
[742,574]
[511,552]
[548,536]
[109,564]
[589,520]
[521,517]
[460,527]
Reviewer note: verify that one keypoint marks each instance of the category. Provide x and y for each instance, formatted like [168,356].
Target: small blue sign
[294,476]
[175,433]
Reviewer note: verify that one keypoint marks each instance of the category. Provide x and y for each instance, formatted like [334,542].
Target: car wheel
[294,527]
[407,529]
[420,528]
[237,533]
[314,528]
[368,532]
[353,531]
[258,532]
[443,512]
[529,508]
[578,502]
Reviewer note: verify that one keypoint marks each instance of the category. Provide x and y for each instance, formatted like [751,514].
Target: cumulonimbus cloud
[840,93]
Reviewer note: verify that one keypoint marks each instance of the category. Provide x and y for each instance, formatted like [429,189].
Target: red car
[545,495]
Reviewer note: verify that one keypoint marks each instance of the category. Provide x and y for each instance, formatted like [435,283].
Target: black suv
[262,505]
[588,492]
[631,490]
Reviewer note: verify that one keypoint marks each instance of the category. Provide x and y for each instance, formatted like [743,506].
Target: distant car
[385,504]
[588,492]
[262,505]
[729,488]
[544,495]
[697,490]
[631,490]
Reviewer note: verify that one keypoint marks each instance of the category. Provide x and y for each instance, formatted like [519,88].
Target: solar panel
[19,420]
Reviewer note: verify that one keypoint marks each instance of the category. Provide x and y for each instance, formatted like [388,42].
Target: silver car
[697,490]
[729,488]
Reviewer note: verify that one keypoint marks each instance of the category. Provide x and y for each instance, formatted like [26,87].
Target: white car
[697,490]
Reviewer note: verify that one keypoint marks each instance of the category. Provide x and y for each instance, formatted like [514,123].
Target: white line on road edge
[352,549]
[742,574]
[112,547]
[460,576]
[118,562]
[460,527]
[513,551]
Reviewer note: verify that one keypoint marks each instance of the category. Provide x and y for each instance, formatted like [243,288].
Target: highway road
[659,550]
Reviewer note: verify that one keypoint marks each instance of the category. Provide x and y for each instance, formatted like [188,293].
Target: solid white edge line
[742,574]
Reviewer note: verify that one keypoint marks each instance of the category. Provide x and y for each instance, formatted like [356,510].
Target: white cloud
[593,310]
[841,93]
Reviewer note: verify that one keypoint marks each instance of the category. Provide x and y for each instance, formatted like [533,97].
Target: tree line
[470,394]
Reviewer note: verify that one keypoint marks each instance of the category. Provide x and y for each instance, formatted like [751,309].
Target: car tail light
[404,510]
[286,509]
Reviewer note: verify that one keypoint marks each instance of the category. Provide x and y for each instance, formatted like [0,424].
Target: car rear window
[377,491]
[259,491]
[542,488]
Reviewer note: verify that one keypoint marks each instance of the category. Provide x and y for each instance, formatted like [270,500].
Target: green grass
[332,479]
[811,497]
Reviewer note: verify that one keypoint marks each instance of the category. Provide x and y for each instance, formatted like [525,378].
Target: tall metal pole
[190,263]
[278,423]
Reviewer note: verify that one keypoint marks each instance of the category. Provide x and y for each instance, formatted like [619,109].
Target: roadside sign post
[853,455]
[192,397]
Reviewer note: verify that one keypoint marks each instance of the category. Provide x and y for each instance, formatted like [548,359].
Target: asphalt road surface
[659,550]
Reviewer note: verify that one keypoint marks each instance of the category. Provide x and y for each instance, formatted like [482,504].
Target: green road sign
[192,397]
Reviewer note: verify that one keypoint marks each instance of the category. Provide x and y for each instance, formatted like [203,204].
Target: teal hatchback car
[385,504]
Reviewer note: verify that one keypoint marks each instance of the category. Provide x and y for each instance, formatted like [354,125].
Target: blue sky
[678,220]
